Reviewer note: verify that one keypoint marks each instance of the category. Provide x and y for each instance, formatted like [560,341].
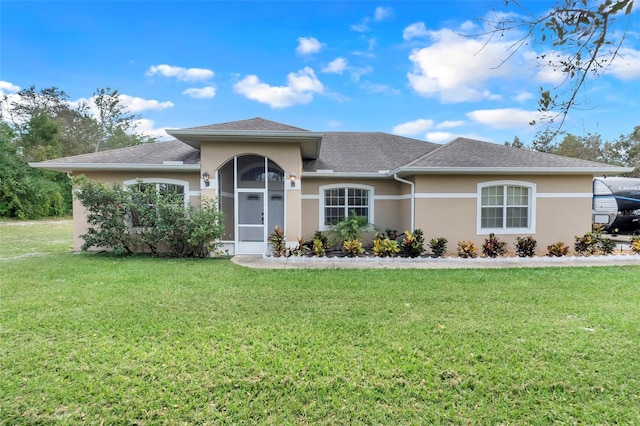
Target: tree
[116,125]
[27,193]
[517,143]
[43,124]
[584,38]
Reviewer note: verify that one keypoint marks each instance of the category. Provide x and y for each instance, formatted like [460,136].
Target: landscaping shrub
[607,246]
[352,248]
[467,249]
[277,241]
[412,243]
[162,223]
[558,249]
[383,247]
[526,246]
[594,242]
[319,248]
[348,229]
[635,244]
[438,246]
[493,246]
[587,244]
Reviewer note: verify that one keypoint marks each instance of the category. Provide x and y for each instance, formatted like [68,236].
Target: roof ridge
[438,149]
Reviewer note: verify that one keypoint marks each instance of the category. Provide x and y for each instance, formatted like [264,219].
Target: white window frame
[531,229]
[183,183]
[346,187]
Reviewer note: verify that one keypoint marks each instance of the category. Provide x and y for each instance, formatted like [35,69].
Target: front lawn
[102,339]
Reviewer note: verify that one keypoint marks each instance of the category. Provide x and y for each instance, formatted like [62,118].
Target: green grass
[100,339]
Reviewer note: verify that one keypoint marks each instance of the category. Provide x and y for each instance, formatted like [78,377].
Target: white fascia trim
[345,175]
[245,133]
[81,167]
[515,170]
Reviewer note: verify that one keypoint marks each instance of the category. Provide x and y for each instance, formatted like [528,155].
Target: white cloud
[370,87]
[627,65]
[439,137]
[337,66]
[136,104]
[504,118]
[300,88]
[147,127]
[523,96]
[449,124]
[308,45]
[133,104]
[415,30]
[203,92]
[411,128]
[182,74]
[382,13]
[357,72]
[457,68]
[9,87]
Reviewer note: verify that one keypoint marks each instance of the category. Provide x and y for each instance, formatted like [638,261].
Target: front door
[251,219]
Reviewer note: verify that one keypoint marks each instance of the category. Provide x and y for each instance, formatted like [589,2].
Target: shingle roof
[366,152]
[253,124]
[463,152]
[351,152]
[153,153]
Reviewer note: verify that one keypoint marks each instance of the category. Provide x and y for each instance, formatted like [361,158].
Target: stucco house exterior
[265,173]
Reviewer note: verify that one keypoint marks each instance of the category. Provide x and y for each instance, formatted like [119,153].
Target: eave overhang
[610,170]
[354,175]
[90,167]
[309,141]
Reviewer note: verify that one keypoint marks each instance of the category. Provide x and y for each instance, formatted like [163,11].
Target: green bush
[383,247]
[412,243]
[438,246]
[163,224]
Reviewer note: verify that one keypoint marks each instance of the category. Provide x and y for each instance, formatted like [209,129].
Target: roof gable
[366,152]
[252,124]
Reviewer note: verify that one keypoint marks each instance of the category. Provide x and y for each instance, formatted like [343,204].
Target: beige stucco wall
[445,205]
[563,208]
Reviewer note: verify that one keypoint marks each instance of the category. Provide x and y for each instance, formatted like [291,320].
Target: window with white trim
[148,190]
[506,207]
[338,202]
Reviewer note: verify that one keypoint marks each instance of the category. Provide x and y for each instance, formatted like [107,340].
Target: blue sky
[397,66]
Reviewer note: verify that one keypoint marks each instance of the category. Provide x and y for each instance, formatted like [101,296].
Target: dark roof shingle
[366,152]
[152,153]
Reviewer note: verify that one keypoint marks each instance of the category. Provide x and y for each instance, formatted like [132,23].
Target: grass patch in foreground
[94,339]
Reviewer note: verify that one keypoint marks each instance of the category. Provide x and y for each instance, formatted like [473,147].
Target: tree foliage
[26,193]
[579,39]
[38,125]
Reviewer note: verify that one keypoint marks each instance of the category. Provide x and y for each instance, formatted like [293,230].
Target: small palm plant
[349,229]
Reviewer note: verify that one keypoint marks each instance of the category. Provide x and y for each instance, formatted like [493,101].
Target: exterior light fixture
[205,178]
[292,178]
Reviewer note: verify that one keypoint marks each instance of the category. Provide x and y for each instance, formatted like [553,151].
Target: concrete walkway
[258,261]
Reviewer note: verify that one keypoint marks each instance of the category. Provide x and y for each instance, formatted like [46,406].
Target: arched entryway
[252,198]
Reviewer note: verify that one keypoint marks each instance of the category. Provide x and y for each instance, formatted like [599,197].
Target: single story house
[265,173]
